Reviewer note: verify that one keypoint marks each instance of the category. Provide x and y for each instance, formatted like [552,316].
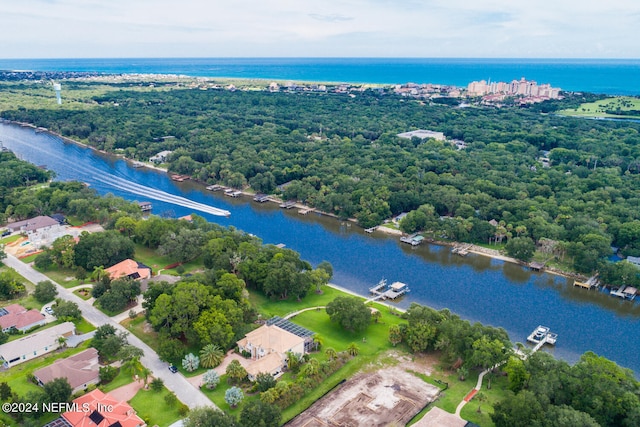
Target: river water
[477,288]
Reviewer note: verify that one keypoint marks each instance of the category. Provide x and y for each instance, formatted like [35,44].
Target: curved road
[184,390]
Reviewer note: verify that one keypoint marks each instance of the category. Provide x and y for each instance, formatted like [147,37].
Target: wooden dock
[230,192]
[180,178]
[592,282]
[541,336]
[462,250]
[371,230]
[261,198]
[624,292]
[215,187]
[289,204]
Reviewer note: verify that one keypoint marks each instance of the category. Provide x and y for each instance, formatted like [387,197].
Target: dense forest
[210,309]
[340,154]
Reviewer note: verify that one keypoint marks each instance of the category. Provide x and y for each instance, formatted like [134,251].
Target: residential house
[80,370]
[17,317]
[269,344]
[98,409]
[38,228]
[161,157]
[34,345]
[129,268]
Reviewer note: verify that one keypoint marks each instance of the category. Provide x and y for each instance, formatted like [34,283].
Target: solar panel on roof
[3,312]
[116,424]
[96,417]
[290,327]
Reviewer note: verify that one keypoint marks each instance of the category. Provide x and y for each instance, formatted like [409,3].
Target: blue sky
[320,28]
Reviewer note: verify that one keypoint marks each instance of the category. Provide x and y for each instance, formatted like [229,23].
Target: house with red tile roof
[97,409]
[129,268]
[18,317]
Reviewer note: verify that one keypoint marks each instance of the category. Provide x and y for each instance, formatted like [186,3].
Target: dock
[592,282]
[230,192]
[288,204]
[215,187]
[371,229]
[180,178]
[541,336]
[305,211]
[462,250]
[261,198]
[413,240]
[384,291]
[624,292]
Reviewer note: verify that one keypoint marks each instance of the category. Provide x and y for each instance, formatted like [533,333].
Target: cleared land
[616,107]
[391,396]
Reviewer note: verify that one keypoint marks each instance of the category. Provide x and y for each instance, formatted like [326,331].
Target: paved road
[177,383]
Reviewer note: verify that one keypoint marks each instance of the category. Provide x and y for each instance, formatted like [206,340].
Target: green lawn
[599,108]
[137,328]
[152,408]
[276,307]
[121,379]
[63,276]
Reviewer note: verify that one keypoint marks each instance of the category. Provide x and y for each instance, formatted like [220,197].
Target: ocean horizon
[603,76]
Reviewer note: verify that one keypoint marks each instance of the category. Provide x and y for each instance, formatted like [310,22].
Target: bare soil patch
[388,396]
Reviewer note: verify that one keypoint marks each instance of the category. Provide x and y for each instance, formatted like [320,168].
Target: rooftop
[79,369]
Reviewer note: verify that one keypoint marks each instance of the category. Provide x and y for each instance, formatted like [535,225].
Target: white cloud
[449,28]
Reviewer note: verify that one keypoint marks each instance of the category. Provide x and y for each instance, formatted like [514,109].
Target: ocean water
[614,77]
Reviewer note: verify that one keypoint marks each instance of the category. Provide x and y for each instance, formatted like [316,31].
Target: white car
[49,310]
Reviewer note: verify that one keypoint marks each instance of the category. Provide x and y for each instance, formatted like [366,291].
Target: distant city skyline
[347,28]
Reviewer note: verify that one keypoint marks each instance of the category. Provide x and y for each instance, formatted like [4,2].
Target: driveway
[177,383]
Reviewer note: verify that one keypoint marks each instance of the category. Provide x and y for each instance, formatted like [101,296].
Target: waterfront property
[80,370]
[145,206]
[413,240]
[392,292]
[540,336]
[592,282]
[35,345]
[15,316]
[269,344]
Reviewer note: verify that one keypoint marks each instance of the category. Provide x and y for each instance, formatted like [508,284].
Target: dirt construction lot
[390,396]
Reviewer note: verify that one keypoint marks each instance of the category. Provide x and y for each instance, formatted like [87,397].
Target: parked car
[173,369]
[6,233]
[49,310]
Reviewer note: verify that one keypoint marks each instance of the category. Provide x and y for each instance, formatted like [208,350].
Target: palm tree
[318,341]
[62,341]
[353,349]
[311,369]
[99,274]
[235,372]
[145,373]
[331,353]
[481,397]
[211,356]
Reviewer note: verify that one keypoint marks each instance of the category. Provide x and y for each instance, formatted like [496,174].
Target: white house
[161,157]
[38,228]
[34,345]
